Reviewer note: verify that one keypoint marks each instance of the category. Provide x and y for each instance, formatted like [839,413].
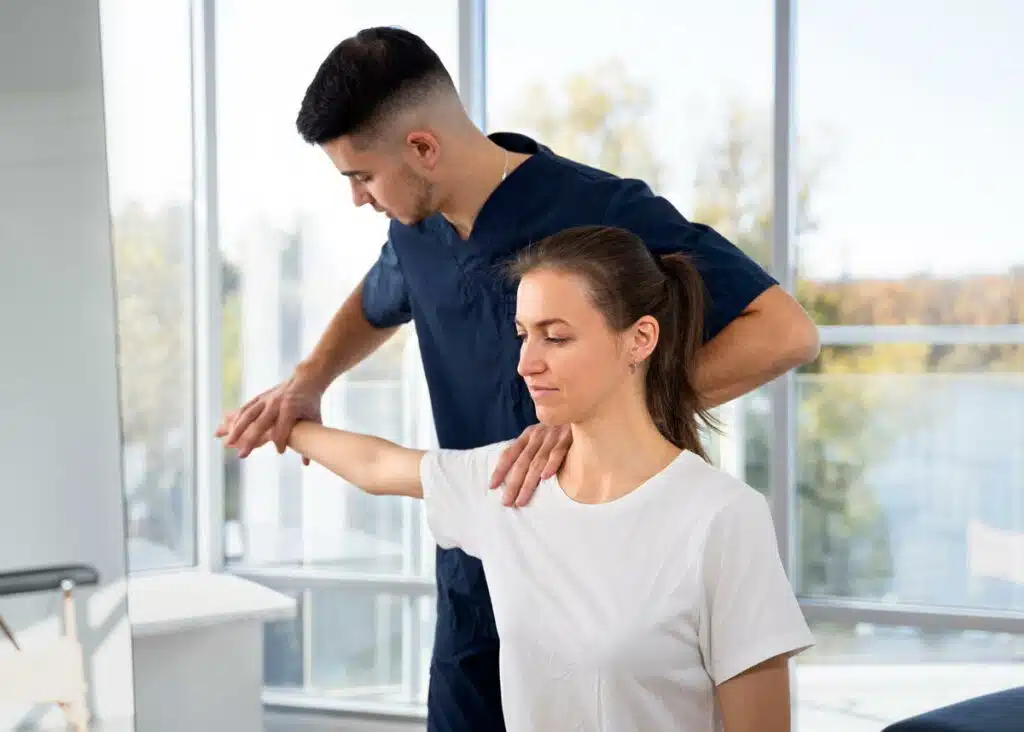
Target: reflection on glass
[909,162]
[346,644]
[861,677]
[145,49]
[910,477]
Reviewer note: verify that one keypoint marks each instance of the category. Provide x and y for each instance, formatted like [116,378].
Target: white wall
[60,469]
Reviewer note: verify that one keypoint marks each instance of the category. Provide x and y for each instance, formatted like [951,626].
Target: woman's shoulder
[717,490]
[477,461]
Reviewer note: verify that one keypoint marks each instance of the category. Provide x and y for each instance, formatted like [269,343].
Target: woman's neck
[612,454]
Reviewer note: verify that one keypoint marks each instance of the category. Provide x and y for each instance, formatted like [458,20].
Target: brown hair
[626,282]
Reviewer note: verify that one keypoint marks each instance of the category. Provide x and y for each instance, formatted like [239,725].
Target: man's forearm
[757,347]
[736,362]
[348,339]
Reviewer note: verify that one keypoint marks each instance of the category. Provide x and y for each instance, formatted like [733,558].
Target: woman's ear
[644,336]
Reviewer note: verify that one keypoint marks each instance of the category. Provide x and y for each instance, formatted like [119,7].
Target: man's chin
[407,220]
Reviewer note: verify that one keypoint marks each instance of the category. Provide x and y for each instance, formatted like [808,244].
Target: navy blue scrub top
[464,310]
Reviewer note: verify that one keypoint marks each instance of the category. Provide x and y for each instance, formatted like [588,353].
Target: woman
[640,584]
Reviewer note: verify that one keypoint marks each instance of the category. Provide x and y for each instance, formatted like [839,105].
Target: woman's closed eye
[555,340]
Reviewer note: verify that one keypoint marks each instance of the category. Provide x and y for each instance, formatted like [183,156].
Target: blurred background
[886,136]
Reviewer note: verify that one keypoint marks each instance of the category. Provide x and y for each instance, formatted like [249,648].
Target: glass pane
[294,247]
[353,643]
[910,476]
[699,134]
[147,88]
[647,105]
[283,644]
[862,677]
[909,159]
[742,446]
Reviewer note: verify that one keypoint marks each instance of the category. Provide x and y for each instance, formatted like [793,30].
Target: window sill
[284,702]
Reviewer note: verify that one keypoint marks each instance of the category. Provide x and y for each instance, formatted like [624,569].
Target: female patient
[640,585]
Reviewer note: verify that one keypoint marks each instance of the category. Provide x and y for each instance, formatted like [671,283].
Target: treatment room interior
[170,247]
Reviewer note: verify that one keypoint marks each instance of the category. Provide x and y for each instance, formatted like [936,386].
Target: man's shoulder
[570,175]
[596,181]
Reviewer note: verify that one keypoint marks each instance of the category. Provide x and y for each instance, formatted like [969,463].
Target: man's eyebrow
[351,173]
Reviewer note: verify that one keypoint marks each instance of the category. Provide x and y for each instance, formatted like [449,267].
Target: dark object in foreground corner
[46,579]
[1002,711]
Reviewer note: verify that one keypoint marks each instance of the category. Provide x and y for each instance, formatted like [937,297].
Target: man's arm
[368,318]
[770,337]
[755,331]
[348,340]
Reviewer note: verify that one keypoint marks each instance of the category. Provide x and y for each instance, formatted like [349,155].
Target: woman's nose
[529,360]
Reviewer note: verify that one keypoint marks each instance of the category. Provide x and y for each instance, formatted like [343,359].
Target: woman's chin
[551,416]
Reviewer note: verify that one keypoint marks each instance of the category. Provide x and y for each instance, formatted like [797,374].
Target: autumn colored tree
[843,535]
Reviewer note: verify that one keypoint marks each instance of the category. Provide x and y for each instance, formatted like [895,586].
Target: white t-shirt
[623,615]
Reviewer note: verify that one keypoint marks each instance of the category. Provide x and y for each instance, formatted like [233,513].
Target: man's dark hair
[364,80]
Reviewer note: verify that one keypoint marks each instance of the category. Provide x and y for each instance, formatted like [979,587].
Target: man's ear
[424,148]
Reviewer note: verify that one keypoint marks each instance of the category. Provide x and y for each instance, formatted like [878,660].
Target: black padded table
[1002,711]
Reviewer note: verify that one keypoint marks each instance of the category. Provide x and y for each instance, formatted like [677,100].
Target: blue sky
[918,100]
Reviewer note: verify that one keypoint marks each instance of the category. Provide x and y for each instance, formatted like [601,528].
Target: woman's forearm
[372,464]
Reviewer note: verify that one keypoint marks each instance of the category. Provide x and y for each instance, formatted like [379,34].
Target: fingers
[292,410]
[243,418]
[558,452]
[282,427]
[225,424]
[257,433]
[509,457]
[538,469]
[520,468]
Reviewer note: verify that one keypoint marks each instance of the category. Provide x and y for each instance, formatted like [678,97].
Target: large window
[909,486]
[690,117]
[147,89]
[294,247]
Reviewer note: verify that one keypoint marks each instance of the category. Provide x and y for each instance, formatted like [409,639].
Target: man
[384,109]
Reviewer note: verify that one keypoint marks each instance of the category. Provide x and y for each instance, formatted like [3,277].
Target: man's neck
[478,170]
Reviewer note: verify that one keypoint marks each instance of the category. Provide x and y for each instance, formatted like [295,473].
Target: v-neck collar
[499,212]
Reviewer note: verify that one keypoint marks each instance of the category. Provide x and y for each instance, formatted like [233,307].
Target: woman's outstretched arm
[372,464]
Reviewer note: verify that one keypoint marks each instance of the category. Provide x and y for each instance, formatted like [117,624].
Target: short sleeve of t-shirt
[732,279]
[456,492]
[385,296]
[751,612]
